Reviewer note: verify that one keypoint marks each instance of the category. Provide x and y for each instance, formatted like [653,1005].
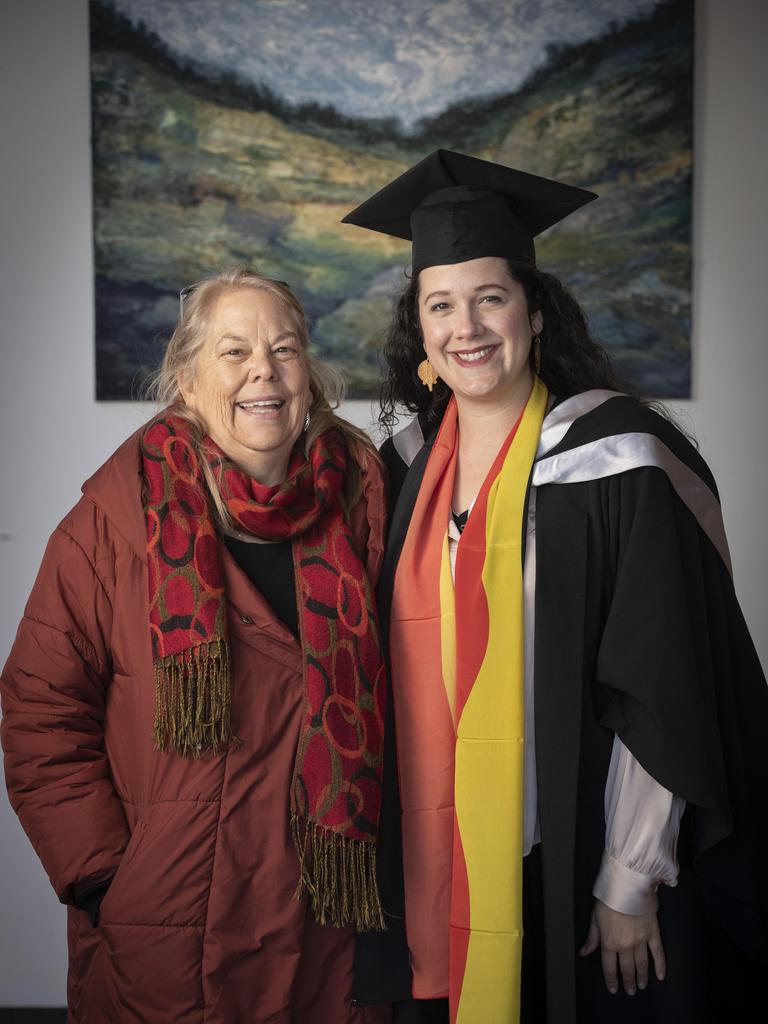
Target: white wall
[56,434]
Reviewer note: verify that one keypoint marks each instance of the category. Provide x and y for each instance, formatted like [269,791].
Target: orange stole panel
[420,626]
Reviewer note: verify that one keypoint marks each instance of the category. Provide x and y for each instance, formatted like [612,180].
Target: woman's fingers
[610,973]
[633,966]
[627,965]
[657,952]
[624,941]
[592,940]
[641,965]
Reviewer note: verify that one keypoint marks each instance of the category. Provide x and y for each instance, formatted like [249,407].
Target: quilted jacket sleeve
[54,687]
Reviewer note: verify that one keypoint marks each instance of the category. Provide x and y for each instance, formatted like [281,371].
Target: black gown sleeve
[678,679]
[397,470]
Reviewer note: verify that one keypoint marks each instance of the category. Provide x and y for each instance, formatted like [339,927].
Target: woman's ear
[537,322]
[186,382]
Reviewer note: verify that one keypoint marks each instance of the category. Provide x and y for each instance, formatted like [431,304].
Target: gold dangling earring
[537,354]
[425,371]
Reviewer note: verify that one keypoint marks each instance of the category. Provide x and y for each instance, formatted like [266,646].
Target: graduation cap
[456,208]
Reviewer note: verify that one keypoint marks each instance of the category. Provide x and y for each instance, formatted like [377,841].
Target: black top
[269,567]
[460,519]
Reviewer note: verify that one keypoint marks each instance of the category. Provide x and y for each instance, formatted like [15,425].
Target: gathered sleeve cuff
[642,824]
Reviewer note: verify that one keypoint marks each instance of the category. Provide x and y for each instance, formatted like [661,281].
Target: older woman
[193,705]
[571,673]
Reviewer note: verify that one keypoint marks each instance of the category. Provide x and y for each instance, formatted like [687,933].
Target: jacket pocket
[165,874]
[131,850]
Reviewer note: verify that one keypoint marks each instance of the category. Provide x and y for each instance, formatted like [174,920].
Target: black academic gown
[637,632]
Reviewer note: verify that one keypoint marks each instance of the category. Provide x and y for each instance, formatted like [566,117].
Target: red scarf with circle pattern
[335,794]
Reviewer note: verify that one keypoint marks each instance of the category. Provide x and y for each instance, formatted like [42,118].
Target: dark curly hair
[571,361]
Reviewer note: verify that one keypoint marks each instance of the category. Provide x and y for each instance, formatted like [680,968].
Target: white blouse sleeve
[642,824]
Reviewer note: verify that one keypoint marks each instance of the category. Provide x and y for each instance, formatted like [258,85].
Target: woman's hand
[627,937]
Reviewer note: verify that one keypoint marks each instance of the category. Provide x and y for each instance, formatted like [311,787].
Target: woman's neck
[482,432]
[268,468]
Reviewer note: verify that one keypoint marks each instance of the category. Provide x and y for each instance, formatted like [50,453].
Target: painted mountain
[241,131]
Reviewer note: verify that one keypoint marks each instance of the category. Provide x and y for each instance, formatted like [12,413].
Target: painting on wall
[241,131]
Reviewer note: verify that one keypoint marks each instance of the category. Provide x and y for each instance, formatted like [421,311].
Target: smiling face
[477,332]
[250,381]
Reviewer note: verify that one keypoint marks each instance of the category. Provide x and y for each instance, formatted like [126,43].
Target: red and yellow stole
[458,678]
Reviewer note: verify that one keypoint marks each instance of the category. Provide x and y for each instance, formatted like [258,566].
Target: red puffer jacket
[200,924]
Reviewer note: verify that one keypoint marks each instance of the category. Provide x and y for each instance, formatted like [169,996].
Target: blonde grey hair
[325,382]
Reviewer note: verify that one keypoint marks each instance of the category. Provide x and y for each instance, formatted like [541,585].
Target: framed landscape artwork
[241,131]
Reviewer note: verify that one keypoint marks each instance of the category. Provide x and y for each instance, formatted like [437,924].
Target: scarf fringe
[339,875]
[193,701]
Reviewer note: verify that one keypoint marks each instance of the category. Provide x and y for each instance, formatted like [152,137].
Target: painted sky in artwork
[231,131]
[404,58]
